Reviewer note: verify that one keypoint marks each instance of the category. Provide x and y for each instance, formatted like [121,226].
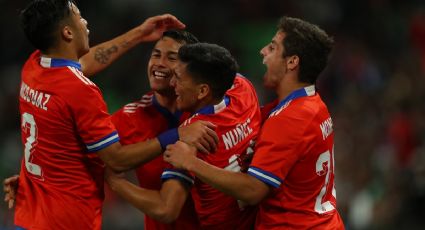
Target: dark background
[374,87]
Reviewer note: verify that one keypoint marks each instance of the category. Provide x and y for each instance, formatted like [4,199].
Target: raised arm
[102,55]
[239,185]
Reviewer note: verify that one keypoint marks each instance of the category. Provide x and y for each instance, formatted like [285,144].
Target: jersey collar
[212,109]
[303,92]
[57,62]
[172,118]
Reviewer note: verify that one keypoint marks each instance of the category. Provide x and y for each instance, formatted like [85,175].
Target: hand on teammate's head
[153,28]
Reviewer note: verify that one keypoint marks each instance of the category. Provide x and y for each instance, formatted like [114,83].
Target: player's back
[143,120]
[238,121]
[61,184]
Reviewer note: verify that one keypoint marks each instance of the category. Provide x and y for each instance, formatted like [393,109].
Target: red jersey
[238,121]
[295,155]
[64,120]
[144,120]
[266,109]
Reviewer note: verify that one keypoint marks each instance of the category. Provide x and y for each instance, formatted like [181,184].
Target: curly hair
[310,43]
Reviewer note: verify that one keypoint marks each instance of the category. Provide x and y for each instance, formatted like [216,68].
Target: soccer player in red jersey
[203,75]
[153,114]
[66,130]
[292,172]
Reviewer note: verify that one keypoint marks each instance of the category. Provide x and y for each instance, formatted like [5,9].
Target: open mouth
[159,74]
[177,95]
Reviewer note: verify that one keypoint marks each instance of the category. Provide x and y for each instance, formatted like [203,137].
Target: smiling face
[187,91]
[274,61]
[161,64]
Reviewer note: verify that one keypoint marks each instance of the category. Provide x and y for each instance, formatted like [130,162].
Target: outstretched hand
[201,135]
[153,28]
[10,187]
[180,155]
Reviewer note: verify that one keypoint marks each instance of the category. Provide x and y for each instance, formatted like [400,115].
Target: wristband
[168,137]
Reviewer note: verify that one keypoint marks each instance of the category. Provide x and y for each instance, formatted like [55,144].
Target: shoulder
[301,108]
[71,83]
[241,84]
[145,101]
[298,114]
[309,106]
[75,88]
[78,76]
[243,92]
[134,111]
[195,117]
[132,122]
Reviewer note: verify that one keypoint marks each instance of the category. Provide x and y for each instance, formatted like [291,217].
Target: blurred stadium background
[374,86]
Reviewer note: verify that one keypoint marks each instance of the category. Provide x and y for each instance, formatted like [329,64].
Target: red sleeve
[178,174]
[90,115]
[279,146]
[266,109]
[124,127]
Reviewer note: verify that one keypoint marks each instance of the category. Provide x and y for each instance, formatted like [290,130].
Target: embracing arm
[124,157]
[102,55]
[239,185]
[164,205]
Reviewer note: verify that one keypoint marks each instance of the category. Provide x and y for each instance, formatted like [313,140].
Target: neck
[286,88]
[62,52]
[206,102]
[166,101]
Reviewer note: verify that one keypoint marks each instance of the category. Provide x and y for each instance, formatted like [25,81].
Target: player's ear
[67,33]
[292,62]
[203,91]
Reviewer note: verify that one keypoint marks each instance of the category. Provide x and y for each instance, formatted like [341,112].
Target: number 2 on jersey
[323,165]
[28,124]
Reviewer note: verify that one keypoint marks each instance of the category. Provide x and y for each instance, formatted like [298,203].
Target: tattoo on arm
[102,55]
[125,44]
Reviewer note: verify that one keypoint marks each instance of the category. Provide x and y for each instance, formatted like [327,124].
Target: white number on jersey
[28,122]
[235,161]
[322,206]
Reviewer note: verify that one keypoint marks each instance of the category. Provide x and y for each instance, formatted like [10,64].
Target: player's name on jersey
[236,135]
[326,127]
[36,98]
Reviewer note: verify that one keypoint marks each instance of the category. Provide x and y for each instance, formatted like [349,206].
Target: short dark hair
[181,36]
[310,43]
[41,19]
[210,64]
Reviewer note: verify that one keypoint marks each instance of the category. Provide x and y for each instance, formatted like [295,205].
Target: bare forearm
[147,201]
[102,55]
[236,184]
[164,205]
[122,158]
[131,156]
